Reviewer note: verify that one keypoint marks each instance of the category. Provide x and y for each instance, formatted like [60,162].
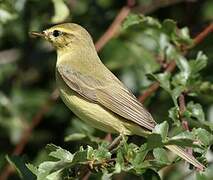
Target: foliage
[141,53]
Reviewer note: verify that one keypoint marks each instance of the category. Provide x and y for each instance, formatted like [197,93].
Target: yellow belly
[97,116]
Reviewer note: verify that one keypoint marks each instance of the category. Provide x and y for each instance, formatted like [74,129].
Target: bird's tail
[186,156]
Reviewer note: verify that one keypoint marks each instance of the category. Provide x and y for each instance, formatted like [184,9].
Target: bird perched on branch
[93,92]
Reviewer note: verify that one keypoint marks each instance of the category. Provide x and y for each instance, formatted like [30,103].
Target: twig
[148,92]
[201,36]
[182,104]
[115,142]
[113,28]
[185,125]
[171,67]
[182,108]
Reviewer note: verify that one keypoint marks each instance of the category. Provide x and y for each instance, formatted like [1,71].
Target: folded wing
[113,96]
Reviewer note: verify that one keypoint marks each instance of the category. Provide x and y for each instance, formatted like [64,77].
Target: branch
[171,67]
[182,108]
[201,36]
[113,28]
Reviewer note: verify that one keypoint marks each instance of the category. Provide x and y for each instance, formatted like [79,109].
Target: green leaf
[184,37]
[7,15]
[176,92]
[61,11]
[177,36]
[119,166]
[122,57]
[20,166]
[162,129]
[164,80]
[199,63]
[174,115]
[62,154]
[131,20]
[160,155]
[203,136]
[153,141]
[143,58]
[74,137]
[80,156]
[129,151]
[140,155]
[169,27]
[102,153]
[143,21]
[184,139]
[195,110]
[48,168]
[185,69]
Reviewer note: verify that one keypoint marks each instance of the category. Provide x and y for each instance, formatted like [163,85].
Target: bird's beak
[37,34]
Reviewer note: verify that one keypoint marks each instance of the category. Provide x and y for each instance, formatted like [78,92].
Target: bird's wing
[114,97]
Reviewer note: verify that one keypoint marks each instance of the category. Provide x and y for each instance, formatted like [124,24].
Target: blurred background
[27,66]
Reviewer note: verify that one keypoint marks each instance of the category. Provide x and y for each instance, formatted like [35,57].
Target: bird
[93,93]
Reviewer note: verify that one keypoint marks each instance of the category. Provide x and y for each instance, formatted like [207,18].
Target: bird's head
[65,35]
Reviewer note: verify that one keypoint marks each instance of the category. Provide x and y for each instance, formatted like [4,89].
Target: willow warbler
[93,92]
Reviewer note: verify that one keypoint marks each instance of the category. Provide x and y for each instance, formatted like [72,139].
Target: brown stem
[148,92]
[113,28]
[182,109]
[182,104]
[171,67]
[201,36]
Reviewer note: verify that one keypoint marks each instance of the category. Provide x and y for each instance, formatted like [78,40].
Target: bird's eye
[56,33]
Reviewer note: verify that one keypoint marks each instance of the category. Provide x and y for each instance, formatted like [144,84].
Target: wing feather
[114,96]
[124,104]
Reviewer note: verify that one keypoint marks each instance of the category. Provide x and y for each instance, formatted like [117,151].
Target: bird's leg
[115,142]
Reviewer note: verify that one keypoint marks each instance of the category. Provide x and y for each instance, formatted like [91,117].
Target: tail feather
[186,156]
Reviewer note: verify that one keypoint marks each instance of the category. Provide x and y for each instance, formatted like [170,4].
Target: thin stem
[182,109]
[115,142]
[202,35]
